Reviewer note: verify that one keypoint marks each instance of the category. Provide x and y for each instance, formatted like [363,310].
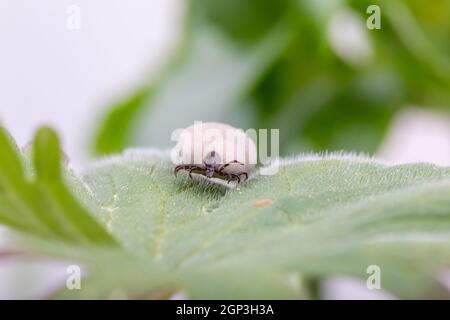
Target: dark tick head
[211,162]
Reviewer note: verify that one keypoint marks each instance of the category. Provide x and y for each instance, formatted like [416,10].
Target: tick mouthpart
[209,172]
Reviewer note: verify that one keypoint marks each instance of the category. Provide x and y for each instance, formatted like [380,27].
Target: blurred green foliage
[317,97]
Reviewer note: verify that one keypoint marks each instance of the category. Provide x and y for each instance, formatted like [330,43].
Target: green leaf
[42,205]
[47,155]
[115,131]
[319,216]
[252,24]
[272,237]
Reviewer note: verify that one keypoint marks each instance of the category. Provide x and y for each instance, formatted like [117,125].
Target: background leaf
[277,67]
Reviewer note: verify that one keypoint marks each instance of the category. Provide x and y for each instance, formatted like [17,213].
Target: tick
[215,150]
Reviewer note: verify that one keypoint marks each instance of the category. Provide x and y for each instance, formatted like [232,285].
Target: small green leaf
[42,205]
[116,130]
[223,73]
[47,155]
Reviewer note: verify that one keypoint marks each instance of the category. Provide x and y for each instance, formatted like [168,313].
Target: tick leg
[190,171]
[230,176]
[245,174]
[178,168]
[234,177]
[183,167]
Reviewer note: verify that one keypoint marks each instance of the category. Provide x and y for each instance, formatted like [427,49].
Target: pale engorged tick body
[215,150]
